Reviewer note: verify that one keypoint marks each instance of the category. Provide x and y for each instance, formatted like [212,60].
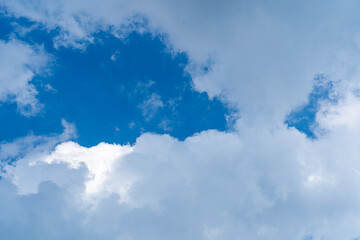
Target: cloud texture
[256,184]
[19,63]
[260,181]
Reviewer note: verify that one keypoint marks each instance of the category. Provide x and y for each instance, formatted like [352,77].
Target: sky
[144,120]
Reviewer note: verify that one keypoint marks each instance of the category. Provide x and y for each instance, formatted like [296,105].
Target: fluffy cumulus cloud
[263,180]
[19,63]
[256,184]
[207,187]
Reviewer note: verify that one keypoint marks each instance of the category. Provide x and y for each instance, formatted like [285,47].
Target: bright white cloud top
[261,180]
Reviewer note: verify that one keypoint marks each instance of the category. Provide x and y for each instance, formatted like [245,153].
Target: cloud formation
[19,63]
[261,181]
[254,183]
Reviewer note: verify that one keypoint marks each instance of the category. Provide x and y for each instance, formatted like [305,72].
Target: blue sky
[110,91]
[303,118]
[134,120]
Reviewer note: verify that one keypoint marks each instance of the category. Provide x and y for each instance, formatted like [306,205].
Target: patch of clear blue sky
[5,26]
[106,98]
[304,117]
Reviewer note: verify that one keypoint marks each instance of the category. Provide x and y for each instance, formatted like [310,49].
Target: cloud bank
[253,184]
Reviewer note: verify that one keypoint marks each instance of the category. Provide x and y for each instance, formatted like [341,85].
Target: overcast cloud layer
[261,180]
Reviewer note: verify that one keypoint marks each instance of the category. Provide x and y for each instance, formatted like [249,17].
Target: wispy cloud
[150,106]
[19,63]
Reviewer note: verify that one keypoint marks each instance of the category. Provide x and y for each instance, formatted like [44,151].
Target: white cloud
[19,63]
[151,105]
[11,151]
[77,20]
[258,184]
[346,112]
